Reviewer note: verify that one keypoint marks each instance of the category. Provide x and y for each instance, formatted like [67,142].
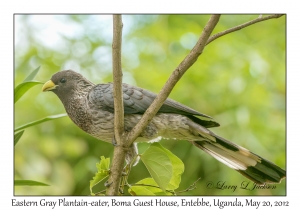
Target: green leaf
[103,172]
[28,183]
[139,190]
[99,176]
[149,187]
[17,136]
[178,169]
[104,164]
[22,88]
[32,75]
[148,181]
[158,164]
[52,117]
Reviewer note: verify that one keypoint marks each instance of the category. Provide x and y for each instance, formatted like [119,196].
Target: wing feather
[136,101]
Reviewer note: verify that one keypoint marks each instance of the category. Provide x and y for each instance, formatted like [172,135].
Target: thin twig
[117,78]
[119,153]
[148,185]
[191,187]
[239,27]
[99,193]
[188,61]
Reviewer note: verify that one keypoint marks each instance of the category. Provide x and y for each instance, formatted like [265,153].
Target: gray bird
[91,108]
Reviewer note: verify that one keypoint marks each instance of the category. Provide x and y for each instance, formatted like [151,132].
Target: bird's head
[67,83]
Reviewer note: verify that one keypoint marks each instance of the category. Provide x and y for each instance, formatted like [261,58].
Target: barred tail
[242,160]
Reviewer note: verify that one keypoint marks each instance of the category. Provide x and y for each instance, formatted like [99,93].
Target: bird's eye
[63,80]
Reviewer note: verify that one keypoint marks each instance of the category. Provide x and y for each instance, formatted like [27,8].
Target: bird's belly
[166,126]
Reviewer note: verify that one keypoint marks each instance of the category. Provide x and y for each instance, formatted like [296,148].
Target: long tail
[242,160]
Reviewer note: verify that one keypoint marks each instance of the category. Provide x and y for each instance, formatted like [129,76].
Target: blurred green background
[239,80]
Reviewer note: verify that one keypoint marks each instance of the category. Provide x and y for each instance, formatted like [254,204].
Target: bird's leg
[124,172]
[132,157]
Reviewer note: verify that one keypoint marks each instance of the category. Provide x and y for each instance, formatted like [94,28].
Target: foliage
[23,88]
[28,183]
[102,173]
[164,167]
[40,121]
[20,90]
[17,136]
[239,81]
[173,173]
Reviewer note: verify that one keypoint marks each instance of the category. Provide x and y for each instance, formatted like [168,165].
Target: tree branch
[188,61]
[119,152]
[239,27]
[117,78]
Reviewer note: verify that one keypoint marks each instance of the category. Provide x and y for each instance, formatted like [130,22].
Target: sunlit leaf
[140,190]
[104,164]
[17,136]
[177,166]
[102,173]
[158,164]
[22,88]
[32,75]
[28,183]
[147,185]
[52,117]
[148,181]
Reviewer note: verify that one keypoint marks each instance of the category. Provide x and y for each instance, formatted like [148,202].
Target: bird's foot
[126,170]
[124,173]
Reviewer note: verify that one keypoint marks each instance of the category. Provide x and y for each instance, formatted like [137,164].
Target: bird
[91,107]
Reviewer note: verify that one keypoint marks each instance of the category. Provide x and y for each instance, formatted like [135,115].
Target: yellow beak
[48,86]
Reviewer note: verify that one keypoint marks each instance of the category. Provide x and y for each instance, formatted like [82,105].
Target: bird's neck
[76,105]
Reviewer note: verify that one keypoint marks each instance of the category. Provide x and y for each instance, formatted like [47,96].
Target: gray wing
[136,101]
